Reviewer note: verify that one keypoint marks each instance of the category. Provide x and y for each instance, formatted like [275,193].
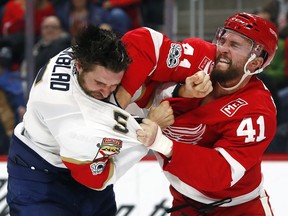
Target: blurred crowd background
[33,31]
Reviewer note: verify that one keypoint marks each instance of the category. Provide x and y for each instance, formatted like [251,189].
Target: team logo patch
[174,55]
[109,147]
[97,167]
[231,108]
[206,65]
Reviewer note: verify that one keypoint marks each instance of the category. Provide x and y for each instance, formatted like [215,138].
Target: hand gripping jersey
[155,59]
[217,147]
[72,130]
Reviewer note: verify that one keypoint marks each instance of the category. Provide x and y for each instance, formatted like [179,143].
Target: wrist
[176,92]
[162,144]
[186,92]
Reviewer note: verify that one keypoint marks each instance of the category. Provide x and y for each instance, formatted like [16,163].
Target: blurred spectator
[12,29]
[11,85]
[13,20]
[119,16]
[2,5]
[115,14]
[76,13]
[6,123]
[283,33]
[279,143]
[283,92]
[43,8]
[276,80]
[53,40]
[153,14]
[12,102]
[13,25]
[274,75]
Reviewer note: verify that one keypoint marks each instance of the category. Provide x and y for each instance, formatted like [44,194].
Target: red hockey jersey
[155,58]
[217,147]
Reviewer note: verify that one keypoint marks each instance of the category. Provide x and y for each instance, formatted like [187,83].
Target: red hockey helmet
[263,33]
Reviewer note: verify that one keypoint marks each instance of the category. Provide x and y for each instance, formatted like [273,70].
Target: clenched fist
[162,114]
[198,85]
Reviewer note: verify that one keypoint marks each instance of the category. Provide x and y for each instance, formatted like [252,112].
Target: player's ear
[78,66]
[256,63]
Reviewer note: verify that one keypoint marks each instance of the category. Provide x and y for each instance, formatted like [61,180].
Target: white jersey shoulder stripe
[157,39]
[237,169]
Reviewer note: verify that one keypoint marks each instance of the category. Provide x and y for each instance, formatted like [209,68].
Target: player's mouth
[223,62]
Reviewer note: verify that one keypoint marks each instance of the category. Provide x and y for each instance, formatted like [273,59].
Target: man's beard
[223,76]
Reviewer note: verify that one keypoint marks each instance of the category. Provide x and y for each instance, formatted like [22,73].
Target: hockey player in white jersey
[73,145]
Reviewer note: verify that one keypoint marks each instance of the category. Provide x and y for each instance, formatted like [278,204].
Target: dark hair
[95,46]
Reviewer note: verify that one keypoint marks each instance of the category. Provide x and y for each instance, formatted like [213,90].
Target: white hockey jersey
[96,140]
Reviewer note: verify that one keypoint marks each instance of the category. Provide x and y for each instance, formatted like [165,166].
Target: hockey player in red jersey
[157,59]
[212,154]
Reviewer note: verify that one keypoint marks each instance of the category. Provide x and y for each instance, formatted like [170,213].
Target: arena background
[181,19]
[143,191]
